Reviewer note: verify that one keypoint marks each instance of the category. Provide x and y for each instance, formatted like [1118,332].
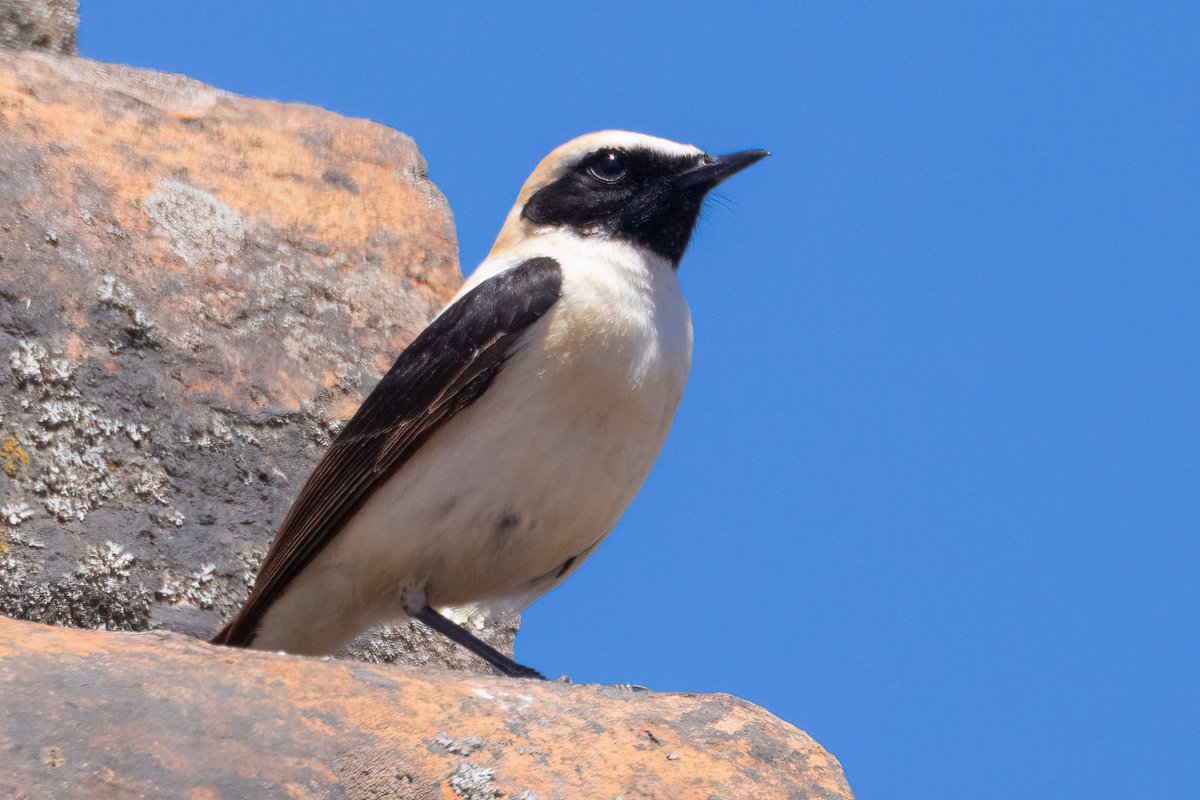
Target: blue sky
[932,493]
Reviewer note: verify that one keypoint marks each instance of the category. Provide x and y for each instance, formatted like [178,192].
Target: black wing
[447,367]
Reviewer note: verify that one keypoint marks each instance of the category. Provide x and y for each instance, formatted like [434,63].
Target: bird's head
[638,189]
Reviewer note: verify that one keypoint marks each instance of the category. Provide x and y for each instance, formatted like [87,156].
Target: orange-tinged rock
[114,715]
[196,290]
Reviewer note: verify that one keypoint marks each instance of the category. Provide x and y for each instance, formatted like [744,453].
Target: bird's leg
[460,635]
[416,607]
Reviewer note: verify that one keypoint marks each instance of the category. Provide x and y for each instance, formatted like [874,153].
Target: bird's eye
[608,167]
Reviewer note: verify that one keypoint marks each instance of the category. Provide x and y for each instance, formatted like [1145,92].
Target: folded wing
[446,368]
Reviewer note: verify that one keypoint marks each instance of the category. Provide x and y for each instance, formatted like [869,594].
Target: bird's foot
[520,671]
[460,635]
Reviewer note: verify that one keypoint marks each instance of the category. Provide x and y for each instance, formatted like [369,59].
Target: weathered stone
[119,715]
[40,25]
[195,290]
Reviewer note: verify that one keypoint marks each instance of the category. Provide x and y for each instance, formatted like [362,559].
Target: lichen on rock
[70,461]
[100,592]
[191,304]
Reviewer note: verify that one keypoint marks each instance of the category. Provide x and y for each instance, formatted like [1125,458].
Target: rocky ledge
[117,715]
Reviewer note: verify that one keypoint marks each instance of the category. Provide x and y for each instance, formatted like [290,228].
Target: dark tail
[238,632]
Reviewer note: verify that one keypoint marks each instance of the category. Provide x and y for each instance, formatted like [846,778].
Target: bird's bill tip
[715,169]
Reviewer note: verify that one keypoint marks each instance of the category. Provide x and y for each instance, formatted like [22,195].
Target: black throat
[647,205]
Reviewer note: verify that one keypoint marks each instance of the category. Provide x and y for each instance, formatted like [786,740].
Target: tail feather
[236,633]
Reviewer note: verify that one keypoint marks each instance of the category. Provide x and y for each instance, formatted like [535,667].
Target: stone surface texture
[40,25]
[196,289]
[111,715]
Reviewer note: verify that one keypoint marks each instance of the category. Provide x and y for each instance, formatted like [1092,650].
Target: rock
[195,290]
[40,25]
[90,714]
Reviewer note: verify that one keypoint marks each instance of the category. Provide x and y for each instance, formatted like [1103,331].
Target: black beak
[714,169]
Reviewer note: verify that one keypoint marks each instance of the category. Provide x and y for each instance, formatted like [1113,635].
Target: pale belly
[526,478]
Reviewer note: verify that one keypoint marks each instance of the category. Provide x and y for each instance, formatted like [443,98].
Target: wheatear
[507,440]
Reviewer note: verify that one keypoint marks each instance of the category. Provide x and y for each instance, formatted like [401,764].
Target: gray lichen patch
[152,484]
[463,746]
[199,589]
[472,782]
[251,561]
[15,513]
[140,328]
[73,473]
[34,366]
[13,536]
[72,460]
[220,435]
[199,227]
[98,593]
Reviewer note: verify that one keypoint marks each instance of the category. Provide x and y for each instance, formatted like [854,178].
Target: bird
[510,436]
